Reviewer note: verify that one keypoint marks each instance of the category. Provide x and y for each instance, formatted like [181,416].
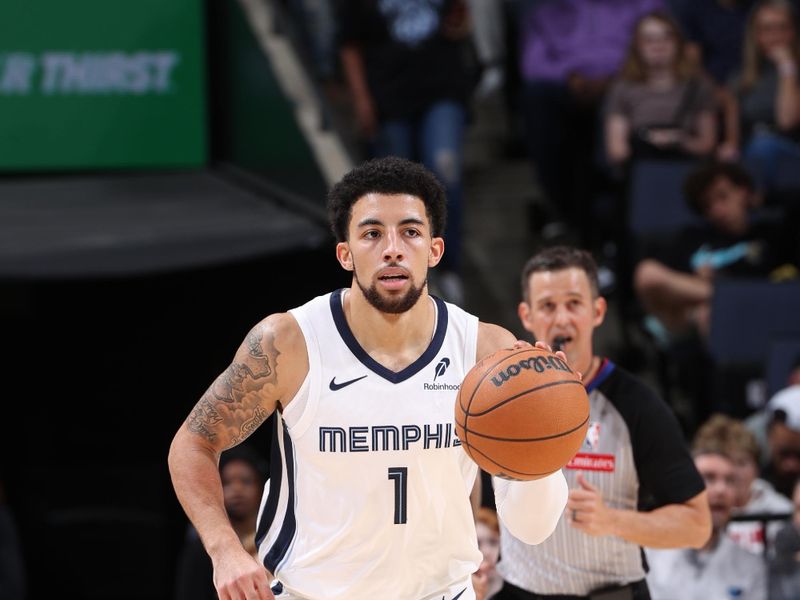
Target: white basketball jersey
[369,489]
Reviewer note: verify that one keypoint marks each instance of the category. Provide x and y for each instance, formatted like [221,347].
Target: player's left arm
[529,509]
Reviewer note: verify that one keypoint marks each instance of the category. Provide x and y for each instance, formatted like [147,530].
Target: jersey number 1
[400,477]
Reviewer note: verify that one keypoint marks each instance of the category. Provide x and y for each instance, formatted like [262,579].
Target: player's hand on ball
[587,511]
[559,353]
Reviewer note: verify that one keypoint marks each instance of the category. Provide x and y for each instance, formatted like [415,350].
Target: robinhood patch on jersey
[586,461]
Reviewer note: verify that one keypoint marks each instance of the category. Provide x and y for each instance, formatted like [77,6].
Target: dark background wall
[101,374]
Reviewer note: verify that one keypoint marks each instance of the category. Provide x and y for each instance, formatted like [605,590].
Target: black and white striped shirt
[634,449]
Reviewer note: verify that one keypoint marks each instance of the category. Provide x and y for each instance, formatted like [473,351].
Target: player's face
[720,476]
[390,249]
[560,304]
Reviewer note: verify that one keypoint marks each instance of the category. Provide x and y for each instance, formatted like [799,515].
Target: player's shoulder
[279,331]
[492,338]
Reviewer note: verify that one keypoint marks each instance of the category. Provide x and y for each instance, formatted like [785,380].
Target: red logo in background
[592,462]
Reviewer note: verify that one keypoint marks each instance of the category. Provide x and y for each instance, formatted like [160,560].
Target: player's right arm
[266,372]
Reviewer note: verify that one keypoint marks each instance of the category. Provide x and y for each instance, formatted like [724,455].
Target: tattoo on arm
[230,410]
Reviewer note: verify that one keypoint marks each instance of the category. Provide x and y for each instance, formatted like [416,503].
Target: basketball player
[634,451]
[369,489]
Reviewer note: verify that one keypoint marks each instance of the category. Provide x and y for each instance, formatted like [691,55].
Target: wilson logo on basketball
[540,364]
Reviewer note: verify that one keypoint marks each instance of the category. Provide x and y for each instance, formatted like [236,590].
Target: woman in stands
[768,91]
[659,106]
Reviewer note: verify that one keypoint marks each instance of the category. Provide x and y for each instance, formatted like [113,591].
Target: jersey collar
[393,376]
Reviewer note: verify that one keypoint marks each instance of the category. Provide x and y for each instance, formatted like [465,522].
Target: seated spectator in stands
[784,573]
[721,569]
[754,496]
[674,280]
[768,90]
[243,474]
[487,581]
[715,33]
[569,51]
[758,422]
[783,440]
[659,106]
[716,28]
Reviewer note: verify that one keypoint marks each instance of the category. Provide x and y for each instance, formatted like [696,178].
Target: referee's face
[561,306]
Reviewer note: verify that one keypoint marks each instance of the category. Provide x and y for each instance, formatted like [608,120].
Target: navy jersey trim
[275,476]
[289,526]
[394,377]
[602,374]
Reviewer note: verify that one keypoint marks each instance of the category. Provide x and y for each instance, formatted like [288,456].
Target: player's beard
[392,305]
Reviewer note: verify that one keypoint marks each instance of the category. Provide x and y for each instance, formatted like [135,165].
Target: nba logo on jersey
[592,436]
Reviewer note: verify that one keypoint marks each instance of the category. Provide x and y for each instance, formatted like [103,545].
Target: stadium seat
[655,203]
[748,315]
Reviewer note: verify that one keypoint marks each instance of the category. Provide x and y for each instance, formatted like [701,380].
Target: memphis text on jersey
[387,438]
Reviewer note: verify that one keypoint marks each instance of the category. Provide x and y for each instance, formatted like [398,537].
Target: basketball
[521,414]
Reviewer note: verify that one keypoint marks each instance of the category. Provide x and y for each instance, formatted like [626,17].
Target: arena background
[163,168]
[158,199]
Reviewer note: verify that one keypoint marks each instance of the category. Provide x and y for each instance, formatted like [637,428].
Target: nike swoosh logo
[337,386]
[458,595]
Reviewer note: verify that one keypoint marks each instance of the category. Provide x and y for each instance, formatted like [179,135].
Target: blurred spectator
[659,106]
[243,474]
[754,496]
[12,570]
[783,440]
[487,581]
[405,65]
[674,281]
[721,569]
[768,91]
[489,35]
[316,21]
[758,422]
[785,567]
[569,50]
[716,28]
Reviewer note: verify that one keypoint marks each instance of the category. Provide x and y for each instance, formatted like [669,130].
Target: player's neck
[408,333]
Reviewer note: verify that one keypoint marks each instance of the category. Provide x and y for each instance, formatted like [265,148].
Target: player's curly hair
[390,175]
